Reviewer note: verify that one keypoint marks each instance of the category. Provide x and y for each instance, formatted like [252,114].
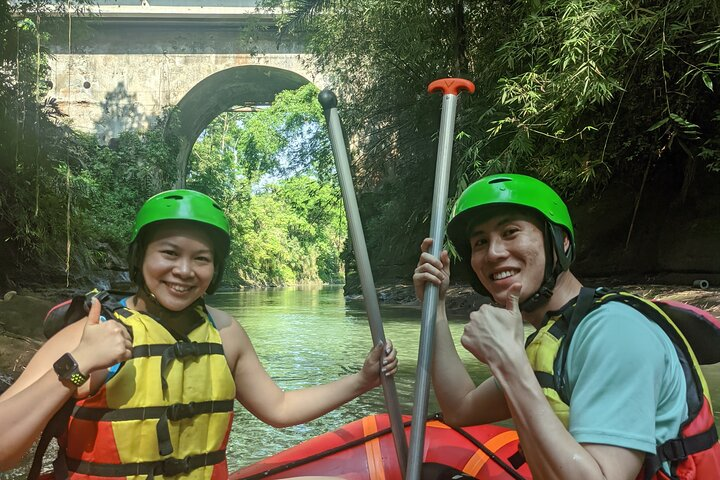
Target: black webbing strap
[177,411]
[169,467]
[585,302]
[182,350]
[172,351]
[678,449]
[545,379]
[180,411]
[54,428]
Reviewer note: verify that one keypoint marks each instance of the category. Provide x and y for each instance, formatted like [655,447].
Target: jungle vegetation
[67,202]
[580,93]
[577,92]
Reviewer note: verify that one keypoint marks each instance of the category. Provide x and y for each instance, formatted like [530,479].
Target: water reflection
[306,336]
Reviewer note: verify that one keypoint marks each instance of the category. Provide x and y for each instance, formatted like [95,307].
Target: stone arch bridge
[118,67]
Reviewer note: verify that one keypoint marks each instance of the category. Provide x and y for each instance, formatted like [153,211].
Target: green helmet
[187,205]
[522,191]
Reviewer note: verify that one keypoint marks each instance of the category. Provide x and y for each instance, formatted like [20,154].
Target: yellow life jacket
[695,452]
[165,412]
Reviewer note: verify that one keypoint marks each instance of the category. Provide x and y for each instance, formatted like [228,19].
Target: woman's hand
[382,360]
[433,270]
[103,344]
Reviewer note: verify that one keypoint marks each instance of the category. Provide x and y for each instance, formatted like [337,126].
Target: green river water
[310,335]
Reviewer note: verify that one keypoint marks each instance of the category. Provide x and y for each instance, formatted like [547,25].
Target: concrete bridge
[117,68]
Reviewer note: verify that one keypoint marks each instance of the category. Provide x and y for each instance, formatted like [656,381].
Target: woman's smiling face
[178,264]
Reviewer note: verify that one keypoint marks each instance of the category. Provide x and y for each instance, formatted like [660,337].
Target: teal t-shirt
[626,385]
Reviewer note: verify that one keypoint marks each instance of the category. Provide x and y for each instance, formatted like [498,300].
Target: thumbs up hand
[103,344]
[494,333]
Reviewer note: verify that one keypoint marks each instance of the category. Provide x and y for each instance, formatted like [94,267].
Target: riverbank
[21,315]
[464,299]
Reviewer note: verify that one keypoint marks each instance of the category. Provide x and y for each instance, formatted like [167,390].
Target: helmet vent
[217,206]
[500,180]
[174,197]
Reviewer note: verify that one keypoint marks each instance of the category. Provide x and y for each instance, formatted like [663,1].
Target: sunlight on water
[306,336]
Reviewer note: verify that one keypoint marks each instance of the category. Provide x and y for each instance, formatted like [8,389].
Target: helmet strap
[553,248]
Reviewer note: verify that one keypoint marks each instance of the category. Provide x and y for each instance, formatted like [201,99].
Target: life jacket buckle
[673,450]
[179,411]
[186,349]
[174,466]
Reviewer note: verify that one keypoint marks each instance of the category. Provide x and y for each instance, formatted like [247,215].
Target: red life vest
[695,333]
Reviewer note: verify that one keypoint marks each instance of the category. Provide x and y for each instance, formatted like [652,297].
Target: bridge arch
[247,85]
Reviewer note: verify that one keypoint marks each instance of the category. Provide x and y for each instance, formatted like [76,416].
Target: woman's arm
[32,400]
[264,399]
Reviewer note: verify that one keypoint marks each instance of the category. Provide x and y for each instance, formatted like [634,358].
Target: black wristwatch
[67,369]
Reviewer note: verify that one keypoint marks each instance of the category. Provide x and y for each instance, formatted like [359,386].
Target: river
[310,335]
[305,336]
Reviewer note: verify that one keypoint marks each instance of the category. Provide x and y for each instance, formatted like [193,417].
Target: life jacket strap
[169,467]
[678,449]
[178,351]
[176,411]
[180,411]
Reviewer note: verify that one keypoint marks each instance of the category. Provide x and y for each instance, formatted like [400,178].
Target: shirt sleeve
[616,369]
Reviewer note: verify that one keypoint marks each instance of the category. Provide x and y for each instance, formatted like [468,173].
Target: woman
[154,386]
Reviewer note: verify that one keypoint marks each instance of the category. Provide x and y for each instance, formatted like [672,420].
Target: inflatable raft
[365,450]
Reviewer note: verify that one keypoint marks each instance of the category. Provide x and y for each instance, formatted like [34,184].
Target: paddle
[450,87]
[328,100]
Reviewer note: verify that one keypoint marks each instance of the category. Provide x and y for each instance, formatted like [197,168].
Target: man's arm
[495,336]
[460,401]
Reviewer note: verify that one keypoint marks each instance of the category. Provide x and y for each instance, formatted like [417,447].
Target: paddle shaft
[450,88]
[329,102]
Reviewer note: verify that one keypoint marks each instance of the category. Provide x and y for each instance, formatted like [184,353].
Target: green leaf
[658,124]
[708,81]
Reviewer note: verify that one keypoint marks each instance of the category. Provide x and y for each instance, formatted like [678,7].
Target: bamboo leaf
[658,124]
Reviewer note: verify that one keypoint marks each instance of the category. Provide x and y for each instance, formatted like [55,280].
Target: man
[621,392]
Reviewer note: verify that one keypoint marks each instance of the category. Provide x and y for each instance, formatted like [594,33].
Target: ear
[566,242]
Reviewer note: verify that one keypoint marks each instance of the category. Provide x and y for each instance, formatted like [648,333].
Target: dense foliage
[37,155]
[67,202]
[578,92]
[272,171]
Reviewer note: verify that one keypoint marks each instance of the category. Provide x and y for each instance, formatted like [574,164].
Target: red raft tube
[364,450]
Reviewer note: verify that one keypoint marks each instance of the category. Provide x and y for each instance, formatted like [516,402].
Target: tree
[272,172]
[577,92]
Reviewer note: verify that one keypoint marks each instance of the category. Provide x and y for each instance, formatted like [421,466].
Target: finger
[429,259]
[426,244]
[445,258]
[388,346]
[391,370]
[423,277]
[512,302]
[390,357]
[94,314]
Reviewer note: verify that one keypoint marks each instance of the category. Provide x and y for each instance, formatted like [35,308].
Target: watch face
[67,369]
[65,366]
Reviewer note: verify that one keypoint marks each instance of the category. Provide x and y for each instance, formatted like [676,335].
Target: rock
[9,295]
[24,315]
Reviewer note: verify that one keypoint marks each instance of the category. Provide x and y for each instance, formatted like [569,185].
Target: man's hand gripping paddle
[451,88]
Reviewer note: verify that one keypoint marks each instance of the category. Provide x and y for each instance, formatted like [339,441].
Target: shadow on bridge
[120,113]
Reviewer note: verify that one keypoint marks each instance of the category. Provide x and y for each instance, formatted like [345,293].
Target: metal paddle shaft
[450,87]
[328,100]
